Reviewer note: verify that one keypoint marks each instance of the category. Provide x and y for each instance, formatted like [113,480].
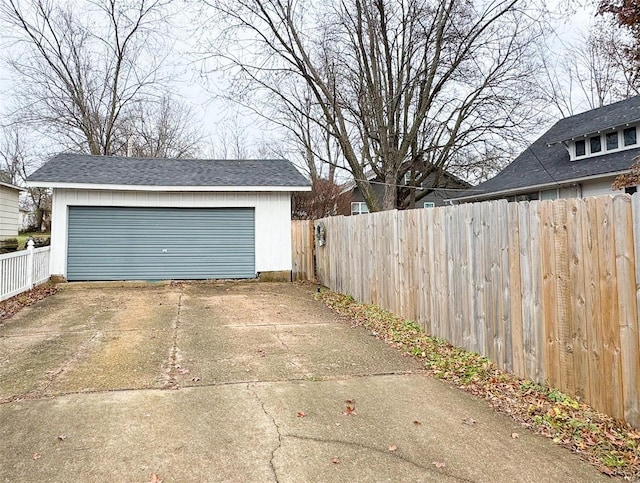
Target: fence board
[549,288]
[593,309]
[610,309]
[515,291]
[577,310]
[565,324]
[546,289]
[628,320]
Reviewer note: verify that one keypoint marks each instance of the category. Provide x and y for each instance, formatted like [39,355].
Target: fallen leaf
[469,421]
[36,456]
[515,435]
[301,414]
[62,437]
[335,461]
[417,423]
[438,464]
[350,410]
[606,471]
[393,447]
[154,478]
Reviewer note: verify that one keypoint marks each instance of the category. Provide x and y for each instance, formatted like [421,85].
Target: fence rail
[546,289]
[21,271]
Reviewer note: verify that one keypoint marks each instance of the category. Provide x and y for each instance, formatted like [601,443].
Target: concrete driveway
[237,382]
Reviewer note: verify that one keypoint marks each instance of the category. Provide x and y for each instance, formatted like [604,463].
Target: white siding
[598,187]
[272,218]
[8,212]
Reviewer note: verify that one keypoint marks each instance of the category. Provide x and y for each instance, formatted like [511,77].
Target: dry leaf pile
[13,305]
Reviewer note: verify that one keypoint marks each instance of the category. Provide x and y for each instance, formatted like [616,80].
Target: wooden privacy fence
[546,289]
[302,249]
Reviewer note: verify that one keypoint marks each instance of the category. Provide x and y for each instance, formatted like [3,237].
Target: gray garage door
[112,243]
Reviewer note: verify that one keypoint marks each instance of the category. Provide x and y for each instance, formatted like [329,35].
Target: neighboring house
[117,218]
[448,186]
[579,156]
[25,219]
[9,195]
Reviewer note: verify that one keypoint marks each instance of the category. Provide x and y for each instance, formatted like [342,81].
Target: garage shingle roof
[547,162]
[119,170]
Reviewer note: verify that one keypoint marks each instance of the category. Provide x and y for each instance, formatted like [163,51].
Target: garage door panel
[108,243]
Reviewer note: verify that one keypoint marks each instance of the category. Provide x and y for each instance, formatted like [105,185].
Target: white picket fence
[21,271]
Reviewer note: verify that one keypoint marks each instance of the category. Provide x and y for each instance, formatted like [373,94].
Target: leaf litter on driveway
[611,446]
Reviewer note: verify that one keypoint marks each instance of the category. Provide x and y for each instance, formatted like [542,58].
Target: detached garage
[118,218]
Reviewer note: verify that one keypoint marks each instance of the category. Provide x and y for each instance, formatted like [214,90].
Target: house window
[594,145]
[359,207]
[630,136]
[429,204]
[407,178]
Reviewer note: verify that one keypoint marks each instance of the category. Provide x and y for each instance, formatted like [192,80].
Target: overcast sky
[217,118]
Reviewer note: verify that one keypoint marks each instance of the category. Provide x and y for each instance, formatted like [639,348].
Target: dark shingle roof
[546,161]
[118,170]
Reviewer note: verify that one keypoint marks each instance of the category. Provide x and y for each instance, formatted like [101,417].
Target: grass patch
[611,446]
[24,237]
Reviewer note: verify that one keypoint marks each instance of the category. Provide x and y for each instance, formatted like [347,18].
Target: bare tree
[399,85]
[626,14]
[161,130]
[307,139]
[83,66]
[590,73]
[12,156]
[326,198]
[16,164]
[231,139]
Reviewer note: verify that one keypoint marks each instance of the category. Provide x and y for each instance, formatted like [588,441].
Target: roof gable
[547,163]
[82,169]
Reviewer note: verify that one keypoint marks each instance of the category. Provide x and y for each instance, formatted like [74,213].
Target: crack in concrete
[394,454]
[275,327]
[275,424]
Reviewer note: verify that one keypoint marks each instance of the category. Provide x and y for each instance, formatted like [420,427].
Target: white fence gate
[21,271]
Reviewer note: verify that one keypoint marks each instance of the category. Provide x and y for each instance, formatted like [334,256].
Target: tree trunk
[390,192]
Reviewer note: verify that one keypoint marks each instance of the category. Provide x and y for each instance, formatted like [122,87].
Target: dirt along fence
[548,290]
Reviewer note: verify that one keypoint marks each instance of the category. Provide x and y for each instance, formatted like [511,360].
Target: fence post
[30,264]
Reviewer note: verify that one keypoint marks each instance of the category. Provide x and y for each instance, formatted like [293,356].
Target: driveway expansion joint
[252,390]
[172,382]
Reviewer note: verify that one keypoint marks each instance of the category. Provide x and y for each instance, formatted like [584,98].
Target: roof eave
[11,186]
[526,189]
[129,187]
